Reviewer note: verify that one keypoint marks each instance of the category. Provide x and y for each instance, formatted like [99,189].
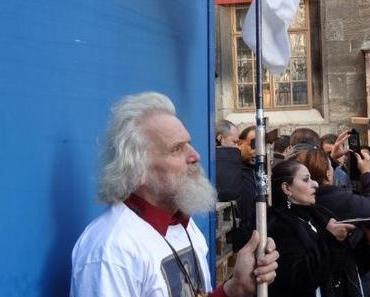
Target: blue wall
[62,64]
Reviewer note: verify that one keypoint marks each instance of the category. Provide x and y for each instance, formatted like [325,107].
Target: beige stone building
[325,84]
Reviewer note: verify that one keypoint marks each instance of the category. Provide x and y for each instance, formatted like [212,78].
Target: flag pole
[261,176]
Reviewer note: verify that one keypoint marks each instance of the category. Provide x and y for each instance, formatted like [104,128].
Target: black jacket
[347,205]
[343,203]
[247,201]
[235,181]
[310,257]
[228,173]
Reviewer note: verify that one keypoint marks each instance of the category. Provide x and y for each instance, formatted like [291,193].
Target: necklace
[196,291]
[313,228]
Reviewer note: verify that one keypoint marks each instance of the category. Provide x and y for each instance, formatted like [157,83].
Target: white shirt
[120,254]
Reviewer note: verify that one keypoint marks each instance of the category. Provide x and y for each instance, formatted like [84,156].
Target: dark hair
[329,138]
[283,172]
[246,148]
[281,143]
[304,135]
[244,134]
[317,163]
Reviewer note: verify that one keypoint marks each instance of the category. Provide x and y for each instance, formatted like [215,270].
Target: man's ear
[285,188]
[219,138]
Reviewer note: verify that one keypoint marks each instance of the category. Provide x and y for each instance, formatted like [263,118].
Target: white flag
[276,17]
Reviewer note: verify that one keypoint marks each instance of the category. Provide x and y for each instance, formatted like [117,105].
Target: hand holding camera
[355,156]
[363,161]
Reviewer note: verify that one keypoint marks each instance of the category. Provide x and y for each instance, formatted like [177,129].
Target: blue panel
[62,64]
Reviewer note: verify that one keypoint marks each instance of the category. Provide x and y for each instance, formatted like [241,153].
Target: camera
[355,146]
[354,141]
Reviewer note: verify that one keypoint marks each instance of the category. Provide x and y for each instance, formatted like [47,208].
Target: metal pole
[260,168]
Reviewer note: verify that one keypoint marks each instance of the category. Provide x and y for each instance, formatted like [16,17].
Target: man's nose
[193,155]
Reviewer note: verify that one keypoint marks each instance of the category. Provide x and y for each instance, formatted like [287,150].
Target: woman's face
[247,147]
[303,188]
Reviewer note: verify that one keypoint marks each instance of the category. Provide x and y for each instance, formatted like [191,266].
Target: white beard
[190,193]
[195,195]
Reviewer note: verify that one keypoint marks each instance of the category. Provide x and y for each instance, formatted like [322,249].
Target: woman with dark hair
[247,144]
[314,260]
[343,203]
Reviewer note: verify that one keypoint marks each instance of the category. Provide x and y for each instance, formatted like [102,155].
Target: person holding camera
[343,203]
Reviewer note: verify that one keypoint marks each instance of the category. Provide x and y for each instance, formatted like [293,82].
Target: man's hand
[247,272]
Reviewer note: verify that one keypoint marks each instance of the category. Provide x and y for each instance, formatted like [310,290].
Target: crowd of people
[321,254]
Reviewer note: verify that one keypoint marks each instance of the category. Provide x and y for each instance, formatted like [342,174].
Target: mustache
[195,168]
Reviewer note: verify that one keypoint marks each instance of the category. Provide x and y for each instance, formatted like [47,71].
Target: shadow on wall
[68,195]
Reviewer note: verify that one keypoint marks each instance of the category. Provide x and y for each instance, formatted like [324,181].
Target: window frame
[273,107]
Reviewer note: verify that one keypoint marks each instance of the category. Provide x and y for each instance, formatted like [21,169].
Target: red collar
[158,218]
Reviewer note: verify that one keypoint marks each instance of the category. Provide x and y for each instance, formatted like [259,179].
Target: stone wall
[346,27]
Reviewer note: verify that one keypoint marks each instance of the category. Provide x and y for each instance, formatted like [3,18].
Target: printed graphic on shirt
[176,282]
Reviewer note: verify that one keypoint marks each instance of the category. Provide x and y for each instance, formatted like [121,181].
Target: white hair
[125,161]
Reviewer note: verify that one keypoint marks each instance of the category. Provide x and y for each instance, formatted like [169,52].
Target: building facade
[325,83]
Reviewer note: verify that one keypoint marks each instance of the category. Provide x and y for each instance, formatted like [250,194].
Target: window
[289,90]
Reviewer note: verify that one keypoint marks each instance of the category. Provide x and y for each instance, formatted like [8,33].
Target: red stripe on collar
[157,217]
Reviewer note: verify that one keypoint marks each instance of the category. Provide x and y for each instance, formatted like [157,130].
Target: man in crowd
[146,244]
[228,162]
[247,201]
[227,134]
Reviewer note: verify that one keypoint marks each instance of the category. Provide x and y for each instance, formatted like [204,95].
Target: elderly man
[228,161]
[227,134]
[146,244]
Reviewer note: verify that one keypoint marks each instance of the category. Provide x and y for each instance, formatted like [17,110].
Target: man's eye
[177,149]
